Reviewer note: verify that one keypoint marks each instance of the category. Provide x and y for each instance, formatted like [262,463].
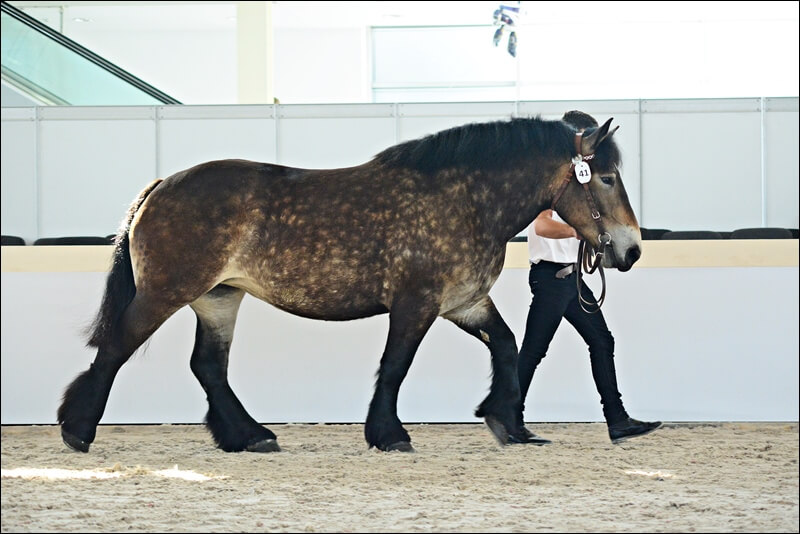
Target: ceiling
[200,15]
[222,15]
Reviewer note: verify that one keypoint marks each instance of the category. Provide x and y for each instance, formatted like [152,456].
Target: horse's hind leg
[229,423]
[502,408]
[85,398]
[409,321]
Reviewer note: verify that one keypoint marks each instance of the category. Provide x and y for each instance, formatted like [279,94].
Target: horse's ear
[590,142]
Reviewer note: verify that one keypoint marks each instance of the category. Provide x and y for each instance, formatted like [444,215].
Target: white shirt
[555,250]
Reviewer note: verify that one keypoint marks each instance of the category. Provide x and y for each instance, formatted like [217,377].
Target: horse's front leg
[409,321]
[502,408]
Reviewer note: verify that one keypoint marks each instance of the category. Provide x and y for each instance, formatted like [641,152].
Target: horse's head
[599,208]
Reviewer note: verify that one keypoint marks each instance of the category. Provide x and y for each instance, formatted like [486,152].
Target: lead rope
[588,260]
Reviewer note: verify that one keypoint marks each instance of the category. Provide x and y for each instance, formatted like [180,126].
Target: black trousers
[554,298]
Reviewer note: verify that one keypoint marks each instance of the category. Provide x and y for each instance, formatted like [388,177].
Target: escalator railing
[56,70]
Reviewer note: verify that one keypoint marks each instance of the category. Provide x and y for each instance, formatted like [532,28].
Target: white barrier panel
[716,340]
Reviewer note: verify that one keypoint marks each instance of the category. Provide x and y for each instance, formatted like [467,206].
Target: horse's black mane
[482,146]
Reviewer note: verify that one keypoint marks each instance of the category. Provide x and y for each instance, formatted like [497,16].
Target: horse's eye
[608,180]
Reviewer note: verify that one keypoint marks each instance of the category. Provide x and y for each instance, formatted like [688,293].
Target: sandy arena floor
[727,477]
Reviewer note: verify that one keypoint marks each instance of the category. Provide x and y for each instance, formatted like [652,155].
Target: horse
[418,232]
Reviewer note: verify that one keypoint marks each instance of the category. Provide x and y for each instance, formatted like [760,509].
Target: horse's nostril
[634,253]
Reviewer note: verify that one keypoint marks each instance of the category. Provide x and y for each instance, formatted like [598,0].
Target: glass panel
[36,63]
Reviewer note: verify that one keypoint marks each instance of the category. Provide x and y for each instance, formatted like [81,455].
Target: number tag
[582,172]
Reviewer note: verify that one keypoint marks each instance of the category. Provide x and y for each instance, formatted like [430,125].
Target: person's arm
[545,226]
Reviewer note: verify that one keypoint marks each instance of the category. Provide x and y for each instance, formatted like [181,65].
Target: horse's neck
[510,201]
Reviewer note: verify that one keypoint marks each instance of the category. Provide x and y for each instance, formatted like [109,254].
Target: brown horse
[418,232]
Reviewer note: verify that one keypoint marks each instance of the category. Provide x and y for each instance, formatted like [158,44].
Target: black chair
[79,240]
[761,233]
[649,234]
[691,234]
[9,240]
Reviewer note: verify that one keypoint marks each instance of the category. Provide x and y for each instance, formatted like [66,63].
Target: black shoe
[630,428]
[526,436]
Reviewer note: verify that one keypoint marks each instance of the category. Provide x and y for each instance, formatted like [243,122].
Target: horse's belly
[328,301]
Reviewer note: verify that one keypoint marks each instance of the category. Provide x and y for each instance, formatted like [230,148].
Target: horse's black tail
[120,287]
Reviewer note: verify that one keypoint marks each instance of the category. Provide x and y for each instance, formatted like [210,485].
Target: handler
[553,249]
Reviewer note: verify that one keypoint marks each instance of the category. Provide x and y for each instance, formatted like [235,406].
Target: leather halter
[589,260]
[590,199]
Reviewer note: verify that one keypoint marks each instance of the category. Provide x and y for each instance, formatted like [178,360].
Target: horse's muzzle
[611,260]
[633,254]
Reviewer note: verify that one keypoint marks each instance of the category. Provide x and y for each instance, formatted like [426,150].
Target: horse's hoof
[402,446]
[525,436]
[73,442]
[266,445]
[498,429]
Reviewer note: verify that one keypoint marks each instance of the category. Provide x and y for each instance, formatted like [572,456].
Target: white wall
[324,65]
[687,164]
[326,52]
[19,183]
[781,186]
